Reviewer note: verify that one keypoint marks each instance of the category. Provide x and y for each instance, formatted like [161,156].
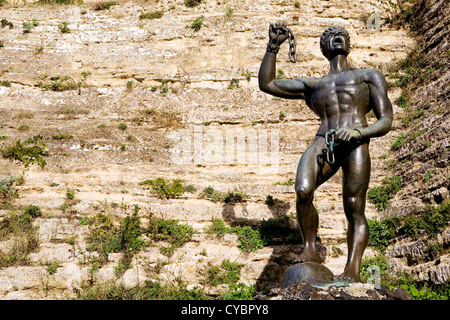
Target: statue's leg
[311,173]
[356,172]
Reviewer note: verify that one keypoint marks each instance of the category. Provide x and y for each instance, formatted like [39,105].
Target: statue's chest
[341,88]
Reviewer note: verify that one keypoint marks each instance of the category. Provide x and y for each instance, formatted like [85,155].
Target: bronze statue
[341,99]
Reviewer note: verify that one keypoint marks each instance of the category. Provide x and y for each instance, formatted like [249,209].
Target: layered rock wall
[176,89]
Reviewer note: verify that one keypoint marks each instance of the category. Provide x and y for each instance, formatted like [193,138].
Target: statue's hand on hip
[347,135]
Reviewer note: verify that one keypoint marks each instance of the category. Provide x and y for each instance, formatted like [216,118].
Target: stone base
[354,291]
[311,272]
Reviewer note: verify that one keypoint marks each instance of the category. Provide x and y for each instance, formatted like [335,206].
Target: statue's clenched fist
[278,33]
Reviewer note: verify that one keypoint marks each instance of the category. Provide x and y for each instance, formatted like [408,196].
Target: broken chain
[292,46]
[329,141]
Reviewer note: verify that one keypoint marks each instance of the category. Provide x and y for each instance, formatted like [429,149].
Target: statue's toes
[344,278]
[295,261]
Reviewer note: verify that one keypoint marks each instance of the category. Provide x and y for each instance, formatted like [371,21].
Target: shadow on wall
[277,232]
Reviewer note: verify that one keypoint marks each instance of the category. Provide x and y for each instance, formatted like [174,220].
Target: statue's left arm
[381,106]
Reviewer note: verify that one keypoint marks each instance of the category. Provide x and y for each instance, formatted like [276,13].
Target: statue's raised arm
[289,89]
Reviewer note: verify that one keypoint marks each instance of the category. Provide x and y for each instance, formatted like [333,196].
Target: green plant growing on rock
[280,74]
[382,231]
[122,126]
[429,174]
[70,194]
[234,84]
[7,188]
[426,223]
[379,261]
[239,291]
[52,267]
[165,189]
[211,194]
[269,232]
[197,23]
[103,237]
[106,238]
[150,290]
[419,290]
[235,196]
[130,231]
[398,142]
[104,5]
[33,211]
[151,15]
[64,206]
[176,234]
[124,263]
[59,2]
[62,137]
[228,273]
[28,25]
[417,133]
[58,83]
[269,201]
[229,11]
[429,221]
[433,251]
[130,84]
[336,251]
[5,23]
[411,114]
[247,75]
[18,228]
[287,183]
[64,27]
[249,239]
[402,101]
[381,195]
[218,227]
[31,151]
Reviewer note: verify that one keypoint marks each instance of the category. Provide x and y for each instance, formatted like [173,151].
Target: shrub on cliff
[18,228]
[28,152]
[381,195]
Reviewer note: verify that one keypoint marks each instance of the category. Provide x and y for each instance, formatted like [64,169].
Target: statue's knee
[304,194]
[355,211]
[352,203]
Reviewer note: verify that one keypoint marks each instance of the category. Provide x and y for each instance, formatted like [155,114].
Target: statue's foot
[347,277]
[308,257]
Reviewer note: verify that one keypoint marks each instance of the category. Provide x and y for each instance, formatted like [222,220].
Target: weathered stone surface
[21,278]
[49,252]
[116,48]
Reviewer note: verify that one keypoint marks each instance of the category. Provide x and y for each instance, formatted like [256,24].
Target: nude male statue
[341,99]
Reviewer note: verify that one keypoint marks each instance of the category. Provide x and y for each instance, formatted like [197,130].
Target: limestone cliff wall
[164,80]
[423,159]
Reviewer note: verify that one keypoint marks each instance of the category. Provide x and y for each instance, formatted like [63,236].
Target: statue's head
[335,41]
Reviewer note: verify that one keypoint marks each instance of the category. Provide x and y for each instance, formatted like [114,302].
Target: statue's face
[337,44]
